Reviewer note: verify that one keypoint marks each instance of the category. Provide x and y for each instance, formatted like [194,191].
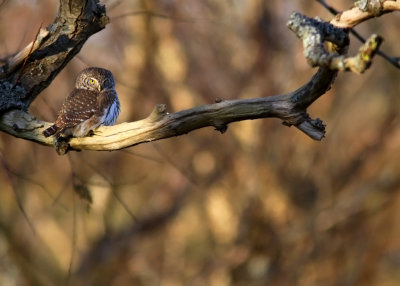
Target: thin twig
[152,14]
[112,188]
[74,240]
[17,196]
[142,156]
[169,159]
[27,57]
[395,61]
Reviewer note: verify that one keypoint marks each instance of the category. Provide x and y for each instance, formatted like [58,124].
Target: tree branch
[51,51]
[315,33]
[291,108]
[160,124]
[78,20]
[364,10]
[395,61]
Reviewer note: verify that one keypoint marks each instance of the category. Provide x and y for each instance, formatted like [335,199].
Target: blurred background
[262,204]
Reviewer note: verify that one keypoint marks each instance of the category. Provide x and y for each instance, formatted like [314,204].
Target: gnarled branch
[78,20]
[49,53]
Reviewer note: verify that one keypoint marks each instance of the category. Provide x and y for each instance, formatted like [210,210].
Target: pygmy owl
[93,102]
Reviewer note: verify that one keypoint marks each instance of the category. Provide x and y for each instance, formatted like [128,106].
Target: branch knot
[159,111]
[313,33]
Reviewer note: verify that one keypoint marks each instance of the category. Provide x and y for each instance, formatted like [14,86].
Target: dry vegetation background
[262,204]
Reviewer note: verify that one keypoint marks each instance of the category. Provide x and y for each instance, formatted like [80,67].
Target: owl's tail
[50,131]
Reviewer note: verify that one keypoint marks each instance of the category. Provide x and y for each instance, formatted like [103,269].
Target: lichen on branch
[314,33]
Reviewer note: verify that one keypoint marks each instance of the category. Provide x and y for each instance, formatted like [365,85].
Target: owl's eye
[92,81]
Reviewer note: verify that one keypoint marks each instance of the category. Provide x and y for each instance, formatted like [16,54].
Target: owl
[93,102]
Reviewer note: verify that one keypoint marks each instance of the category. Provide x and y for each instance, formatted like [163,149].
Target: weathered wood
[76,21]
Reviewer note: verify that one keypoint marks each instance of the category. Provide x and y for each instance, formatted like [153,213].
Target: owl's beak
[99,87]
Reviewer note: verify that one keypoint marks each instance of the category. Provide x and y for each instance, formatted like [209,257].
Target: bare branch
[291,108]
[77,20]
[364,10]
[315,33]
[395,61]
[52,50]
[23,55]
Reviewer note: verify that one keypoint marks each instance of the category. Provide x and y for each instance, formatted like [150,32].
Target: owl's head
[96,79]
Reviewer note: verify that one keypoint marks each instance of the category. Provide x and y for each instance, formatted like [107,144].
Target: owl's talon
[91,133]
[61,144]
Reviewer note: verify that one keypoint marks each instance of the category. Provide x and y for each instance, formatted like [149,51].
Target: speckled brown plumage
[92,103]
